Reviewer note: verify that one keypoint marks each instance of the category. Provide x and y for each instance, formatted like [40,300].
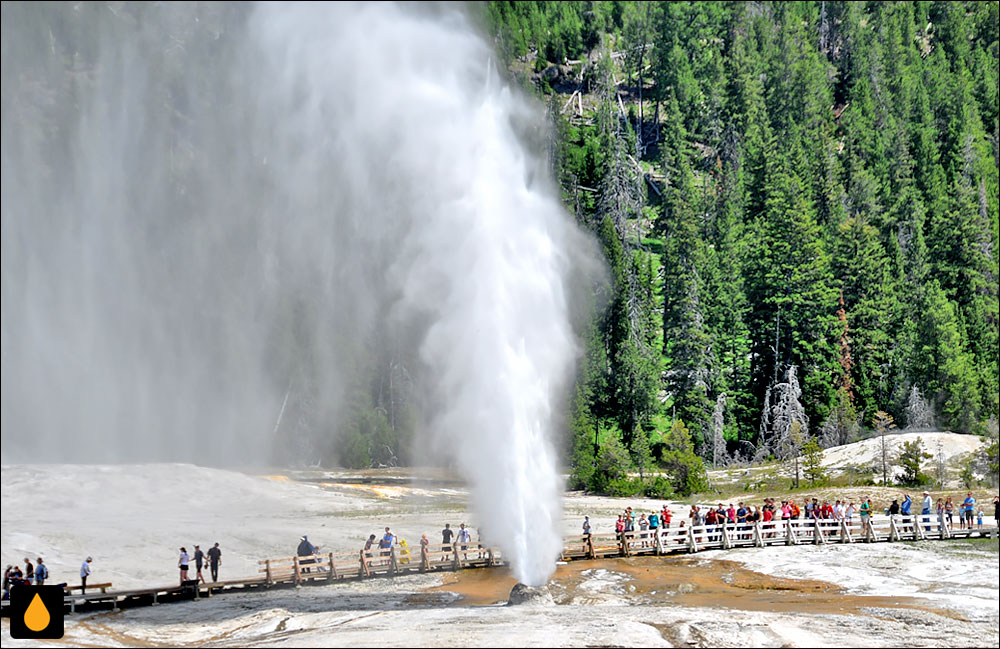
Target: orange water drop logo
[37,616]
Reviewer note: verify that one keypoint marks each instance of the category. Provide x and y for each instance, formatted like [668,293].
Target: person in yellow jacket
[404,551]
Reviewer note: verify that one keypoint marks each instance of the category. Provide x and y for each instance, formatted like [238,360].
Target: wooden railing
[394,560]
[694,538]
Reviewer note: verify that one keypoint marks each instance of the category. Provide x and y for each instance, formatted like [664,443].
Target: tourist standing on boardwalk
[385,544]
[446,535]
[968,505]
[214,561]
[949,510]
[925,508]
[199,558]
[586,525]
[84,573]
[464,537]
[182,563]
[42,572]
[306,549]
[29,570]
[866,513]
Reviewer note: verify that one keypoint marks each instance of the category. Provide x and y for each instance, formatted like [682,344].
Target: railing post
[758,538]
[364,566]
[267,565]
[333,568]
[590,548]
[457,563]
[692,544]
[296,561]
[726,541]
[424,560]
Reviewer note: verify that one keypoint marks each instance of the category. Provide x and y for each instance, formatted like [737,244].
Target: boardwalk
[399,560]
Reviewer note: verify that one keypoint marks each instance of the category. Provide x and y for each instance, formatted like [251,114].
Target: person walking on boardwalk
[41,573]
[464,537]
[84,573]
[199,558]
[586,525]
[182,562]
[29,570]
[214,561]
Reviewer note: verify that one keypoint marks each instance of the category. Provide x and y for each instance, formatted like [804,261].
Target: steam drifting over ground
[208,209]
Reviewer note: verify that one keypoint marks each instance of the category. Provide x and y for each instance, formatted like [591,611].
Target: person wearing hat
[306,549]
[84,573]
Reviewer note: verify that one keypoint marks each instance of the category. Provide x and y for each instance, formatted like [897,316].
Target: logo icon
[36,612]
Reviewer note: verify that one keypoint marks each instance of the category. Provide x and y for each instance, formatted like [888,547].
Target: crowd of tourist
[645,525]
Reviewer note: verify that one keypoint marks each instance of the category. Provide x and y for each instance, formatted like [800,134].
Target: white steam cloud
[344,169]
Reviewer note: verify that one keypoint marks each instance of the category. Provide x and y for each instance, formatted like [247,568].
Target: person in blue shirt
[968,505]
[904,509]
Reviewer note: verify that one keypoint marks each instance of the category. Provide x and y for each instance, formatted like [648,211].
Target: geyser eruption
[210,212]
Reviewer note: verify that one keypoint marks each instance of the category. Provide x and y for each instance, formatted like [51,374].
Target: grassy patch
[987,544]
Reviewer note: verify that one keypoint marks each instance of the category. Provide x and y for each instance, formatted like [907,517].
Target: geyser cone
[524,594]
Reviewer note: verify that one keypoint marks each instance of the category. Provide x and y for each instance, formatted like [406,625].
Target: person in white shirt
[925,508]
[182,563]
[84,573]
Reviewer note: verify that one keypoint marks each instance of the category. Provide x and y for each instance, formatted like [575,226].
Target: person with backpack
[306,549]
[41,573]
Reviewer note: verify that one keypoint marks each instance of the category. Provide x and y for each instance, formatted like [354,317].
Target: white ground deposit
[132,519]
